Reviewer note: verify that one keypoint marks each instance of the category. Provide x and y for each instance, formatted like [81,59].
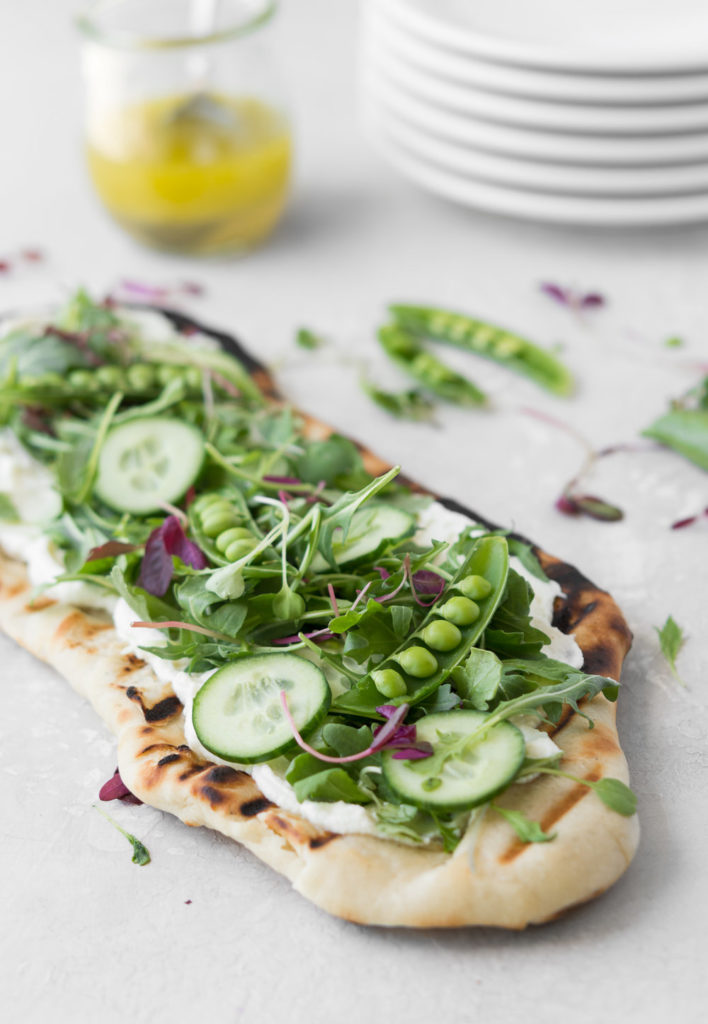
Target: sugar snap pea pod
[406,350]
[222,527]
[415,657]
[504,347]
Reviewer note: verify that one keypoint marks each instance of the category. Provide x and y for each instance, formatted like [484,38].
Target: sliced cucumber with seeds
[472,773]
[146,462]
[238,716]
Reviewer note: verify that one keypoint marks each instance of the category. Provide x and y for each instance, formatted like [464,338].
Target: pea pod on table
[407,351]
[443,640]
[496,343]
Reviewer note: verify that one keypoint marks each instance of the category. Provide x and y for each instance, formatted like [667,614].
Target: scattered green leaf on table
[411,404]
[671,640]
[308,339]
[141,856]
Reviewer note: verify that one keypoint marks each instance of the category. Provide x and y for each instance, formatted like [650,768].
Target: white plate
[622,36]
[507,80]
[587,150]
[559,117]
[541,206]
[472,163]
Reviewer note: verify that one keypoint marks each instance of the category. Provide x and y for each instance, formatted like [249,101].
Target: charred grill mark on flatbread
[77,630]
[13,589]
[38,604]
[552,816]
[131,663]
[189,771]
[250,808]
[167,708]
[317,842]
[168,759]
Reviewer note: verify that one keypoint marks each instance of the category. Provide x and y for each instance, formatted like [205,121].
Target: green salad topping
[265,554]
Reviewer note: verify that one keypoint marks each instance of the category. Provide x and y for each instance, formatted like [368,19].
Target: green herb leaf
[674,342]
[684,430]
[8,512]
[615,795]
[671,639]
[477,680]
[141,856]
[329,786]
[227,582]
[411,404]
[308,339]
[327,460]
[527,830]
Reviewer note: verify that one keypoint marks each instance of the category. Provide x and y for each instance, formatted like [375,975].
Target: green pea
[193,378]
[389,682]
[205,501]
[441,635]
[50,380]
[474,586]
[238,549]
[110,377]
[507,347]
[218,519]
[460,610]
[82,380]
[229,536]
[141,377]
[417,661]
[167,373]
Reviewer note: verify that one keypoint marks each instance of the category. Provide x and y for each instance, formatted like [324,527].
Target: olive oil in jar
[201,173]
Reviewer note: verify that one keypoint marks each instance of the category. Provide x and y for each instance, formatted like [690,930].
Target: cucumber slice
[467,778]
[145,462]
[372,530]
[237,714]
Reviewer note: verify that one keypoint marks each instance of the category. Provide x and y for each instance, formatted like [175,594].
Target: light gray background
[87,935]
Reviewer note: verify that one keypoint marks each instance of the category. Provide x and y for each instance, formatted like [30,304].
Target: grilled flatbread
[492,878]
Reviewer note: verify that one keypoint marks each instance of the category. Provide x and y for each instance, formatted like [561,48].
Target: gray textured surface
[89,936]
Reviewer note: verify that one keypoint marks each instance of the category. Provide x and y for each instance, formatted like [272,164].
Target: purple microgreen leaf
[384,735]
[567,505]
[416,753]
[383,573]
[166,540]
[116,789]
[598,508]
[317,634]
[572,298]
[286,480]
[189,626]
[333,599]
[156,568]
[428,582]
[111,549]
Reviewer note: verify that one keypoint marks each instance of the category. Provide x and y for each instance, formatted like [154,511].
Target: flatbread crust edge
[490,879]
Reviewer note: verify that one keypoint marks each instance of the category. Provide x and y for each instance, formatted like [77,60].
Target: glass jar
[188,143]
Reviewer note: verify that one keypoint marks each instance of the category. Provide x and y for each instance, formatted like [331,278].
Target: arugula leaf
[527,830]
[525,553]
[8,512]
[671,640]
[510,633]
[355,616]
[147,607]
[477,680]
[444,699]
[346,740]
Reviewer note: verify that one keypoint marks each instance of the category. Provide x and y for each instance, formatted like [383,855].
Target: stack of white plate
[559,110]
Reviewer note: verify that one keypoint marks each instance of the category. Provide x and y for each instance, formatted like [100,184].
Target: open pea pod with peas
[484,339]
[454,624]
